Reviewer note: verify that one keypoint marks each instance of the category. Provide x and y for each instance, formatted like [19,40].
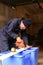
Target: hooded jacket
[9,33]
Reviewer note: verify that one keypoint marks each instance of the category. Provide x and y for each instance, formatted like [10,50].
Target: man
[9,33]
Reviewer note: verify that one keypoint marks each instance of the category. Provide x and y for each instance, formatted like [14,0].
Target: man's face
[22,26]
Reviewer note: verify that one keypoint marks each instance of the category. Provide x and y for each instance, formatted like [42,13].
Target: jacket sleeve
[9,28]
[25,38]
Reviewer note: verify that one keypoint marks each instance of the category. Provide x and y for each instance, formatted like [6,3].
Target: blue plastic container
[26,57]
[22,58]
[34,55]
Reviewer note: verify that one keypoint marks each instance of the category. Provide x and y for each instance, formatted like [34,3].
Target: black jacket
[9,32]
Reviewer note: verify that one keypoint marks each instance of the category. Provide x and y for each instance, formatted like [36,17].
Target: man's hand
[18,39]
[27,46]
